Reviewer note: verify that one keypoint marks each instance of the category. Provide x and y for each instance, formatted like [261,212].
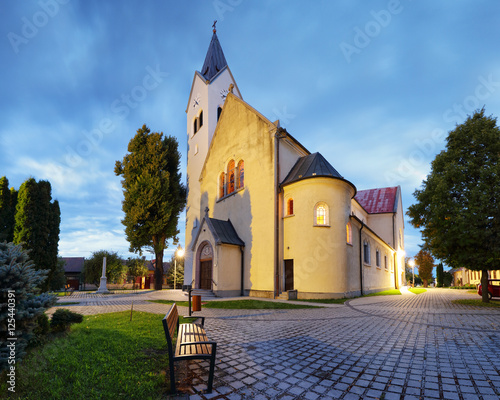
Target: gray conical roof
[309,166]
[215,60]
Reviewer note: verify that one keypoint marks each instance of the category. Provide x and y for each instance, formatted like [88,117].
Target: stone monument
[103,285]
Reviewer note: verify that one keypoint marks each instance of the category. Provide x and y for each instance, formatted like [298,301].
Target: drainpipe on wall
[361,258]
[280,133]
[242,271]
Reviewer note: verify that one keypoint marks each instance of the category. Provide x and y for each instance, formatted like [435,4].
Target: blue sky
[373,85]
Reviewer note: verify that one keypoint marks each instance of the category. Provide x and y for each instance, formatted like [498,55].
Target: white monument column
[102,287]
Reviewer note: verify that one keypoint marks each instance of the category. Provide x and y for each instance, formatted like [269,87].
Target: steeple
[214,60]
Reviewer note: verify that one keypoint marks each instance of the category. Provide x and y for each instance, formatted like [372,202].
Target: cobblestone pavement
[388,347]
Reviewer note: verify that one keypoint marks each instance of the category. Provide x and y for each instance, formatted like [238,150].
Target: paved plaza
[387,347]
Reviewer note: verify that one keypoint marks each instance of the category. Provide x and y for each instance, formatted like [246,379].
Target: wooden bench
[191,344]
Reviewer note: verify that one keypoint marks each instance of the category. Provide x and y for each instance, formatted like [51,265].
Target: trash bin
[196,303]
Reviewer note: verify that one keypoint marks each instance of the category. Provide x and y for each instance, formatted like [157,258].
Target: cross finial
[206,211]
[213,26]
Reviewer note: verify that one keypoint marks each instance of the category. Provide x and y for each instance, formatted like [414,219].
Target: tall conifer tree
[154,194]
[37,225]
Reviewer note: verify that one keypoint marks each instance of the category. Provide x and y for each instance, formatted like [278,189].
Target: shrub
[41,330]
[20,300]
[63,318]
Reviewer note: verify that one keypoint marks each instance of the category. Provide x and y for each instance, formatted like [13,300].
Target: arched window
[230,177]
[385,262]
[366,252]
[200,120]
[348,231]
[241,174]
[377,258]
[289,207]
[321,214]
[222,181]
[219,110]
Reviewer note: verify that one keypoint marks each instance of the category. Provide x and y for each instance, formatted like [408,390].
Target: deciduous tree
[115,268]
[425,264]
[458,206]
[136,267]
[154,194]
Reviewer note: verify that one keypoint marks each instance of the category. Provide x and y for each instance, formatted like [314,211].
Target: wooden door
[288,274]
[206,275]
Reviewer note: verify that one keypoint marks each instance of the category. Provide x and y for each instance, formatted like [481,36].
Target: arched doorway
[205,263]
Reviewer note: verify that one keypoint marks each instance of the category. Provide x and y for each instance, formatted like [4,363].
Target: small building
[147,282]
[73,270]
[463,276]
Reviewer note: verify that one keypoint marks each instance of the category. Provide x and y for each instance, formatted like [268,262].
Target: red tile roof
[377,201]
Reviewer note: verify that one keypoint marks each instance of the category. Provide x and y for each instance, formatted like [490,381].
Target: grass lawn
[477,303]
[240,304]
[384,293]
[417,290]
[104,357]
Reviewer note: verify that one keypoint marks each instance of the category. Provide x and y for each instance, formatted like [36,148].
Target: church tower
[206,101]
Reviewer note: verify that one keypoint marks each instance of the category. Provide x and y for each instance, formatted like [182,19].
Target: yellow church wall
[228,276]
[319,252]
[243,134]
[382,224]
[376,277]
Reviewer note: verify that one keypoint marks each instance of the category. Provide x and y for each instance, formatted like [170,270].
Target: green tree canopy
[116,271]
[425,264]
[154,194]
[457,208]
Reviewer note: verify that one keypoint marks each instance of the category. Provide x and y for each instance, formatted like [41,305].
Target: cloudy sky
[373,85]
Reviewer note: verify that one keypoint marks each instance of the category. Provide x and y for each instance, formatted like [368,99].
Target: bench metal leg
[172,377]
[212,369]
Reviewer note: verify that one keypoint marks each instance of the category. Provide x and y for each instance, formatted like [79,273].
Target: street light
[179,253]
[412,265]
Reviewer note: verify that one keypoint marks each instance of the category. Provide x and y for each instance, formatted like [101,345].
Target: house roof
[214,60]
[379,200]
[73,264]
[309,166]
[225,233]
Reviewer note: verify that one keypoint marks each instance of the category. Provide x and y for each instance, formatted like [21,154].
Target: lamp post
[412,265]
[178,253]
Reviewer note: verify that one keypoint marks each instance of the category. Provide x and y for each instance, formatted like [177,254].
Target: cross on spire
[213,26]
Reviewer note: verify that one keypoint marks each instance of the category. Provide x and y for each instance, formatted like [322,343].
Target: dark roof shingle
[214,60]
[225,232]
[311,165]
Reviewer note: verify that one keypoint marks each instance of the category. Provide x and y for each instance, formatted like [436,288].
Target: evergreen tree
[8,198]
[154,194]
[439,275]
[458,206]
[20,287]
[37,224]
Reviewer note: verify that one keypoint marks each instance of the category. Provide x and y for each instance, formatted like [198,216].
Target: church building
[266,217]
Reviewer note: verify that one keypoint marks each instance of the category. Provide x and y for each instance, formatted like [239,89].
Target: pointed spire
[214,60]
